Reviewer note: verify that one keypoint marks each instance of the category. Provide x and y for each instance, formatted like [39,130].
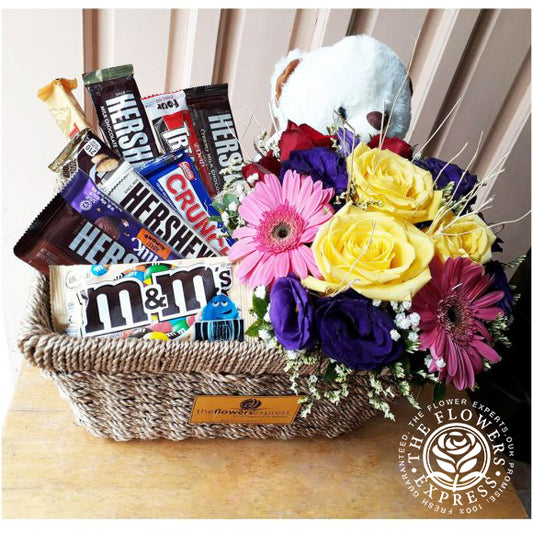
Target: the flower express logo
[456,457]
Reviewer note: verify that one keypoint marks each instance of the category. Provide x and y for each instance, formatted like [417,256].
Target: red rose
[268,164]
[394,145]
[301,137]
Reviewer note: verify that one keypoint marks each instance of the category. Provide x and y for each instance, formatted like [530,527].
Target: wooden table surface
[54,469]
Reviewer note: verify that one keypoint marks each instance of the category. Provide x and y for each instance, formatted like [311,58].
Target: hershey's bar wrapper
[133,193]
[121,114]
[61,236]
[88,153]
[83,195]
[215,128]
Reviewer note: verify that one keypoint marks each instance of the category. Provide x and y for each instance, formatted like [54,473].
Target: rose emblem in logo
[456,457]
[251,404]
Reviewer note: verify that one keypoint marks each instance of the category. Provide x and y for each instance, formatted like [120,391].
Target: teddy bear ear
[284,76]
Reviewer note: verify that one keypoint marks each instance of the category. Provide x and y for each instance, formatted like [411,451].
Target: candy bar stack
[130,242]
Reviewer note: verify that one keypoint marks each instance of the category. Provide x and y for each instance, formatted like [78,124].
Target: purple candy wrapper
[83,195]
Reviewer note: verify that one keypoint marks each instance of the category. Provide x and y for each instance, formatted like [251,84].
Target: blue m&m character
[220,308]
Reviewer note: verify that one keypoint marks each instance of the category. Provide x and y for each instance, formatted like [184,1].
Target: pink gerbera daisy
[452,308]
[281,219]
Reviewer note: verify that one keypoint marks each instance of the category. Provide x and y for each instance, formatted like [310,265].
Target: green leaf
[218,206]
[215,219]
[228,198]
[331,373]
[253,330]
[439,391]
[260,306]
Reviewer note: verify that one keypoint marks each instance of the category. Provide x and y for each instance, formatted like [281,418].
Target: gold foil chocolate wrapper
[63,106]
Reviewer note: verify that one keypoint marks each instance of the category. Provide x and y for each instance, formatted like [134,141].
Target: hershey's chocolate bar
[176,179]
[215,128]
[121,114]
[83,195]
[88,153]
[128,189]
[61,236]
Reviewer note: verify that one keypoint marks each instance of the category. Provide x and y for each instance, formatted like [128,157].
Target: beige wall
[481,55]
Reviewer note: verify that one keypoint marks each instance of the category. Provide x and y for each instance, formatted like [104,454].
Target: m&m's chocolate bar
[158,300]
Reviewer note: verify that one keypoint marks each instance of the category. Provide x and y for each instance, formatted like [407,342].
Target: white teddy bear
[356,79]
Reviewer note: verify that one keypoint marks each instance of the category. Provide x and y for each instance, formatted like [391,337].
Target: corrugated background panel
[479,55]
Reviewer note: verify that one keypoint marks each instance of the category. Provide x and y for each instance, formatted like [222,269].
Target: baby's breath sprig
[264,144]
[365,205]
[407,326]
[227,202]
[377,396]
[261,142]
[498,329]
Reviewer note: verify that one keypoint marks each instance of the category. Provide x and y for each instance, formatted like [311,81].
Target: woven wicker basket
[142,389]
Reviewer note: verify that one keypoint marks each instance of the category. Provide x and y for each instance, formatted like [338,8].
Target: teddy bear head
[358,80]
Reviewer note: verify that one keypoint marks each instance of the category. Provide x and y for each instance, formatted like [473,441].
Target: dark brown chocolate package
[215,128]
[121,114]
[61,236]
[88,153]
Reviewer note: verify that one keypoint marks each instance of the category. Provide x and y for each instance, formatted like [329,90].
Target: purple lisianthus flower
[353,331]
[500,283]
[452,173]
[291,314]
[347,141]
[322,164]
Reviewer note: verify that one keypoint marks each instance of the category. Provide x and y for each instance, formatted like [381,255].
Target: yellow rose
[380,256]
[401,187]
[465,236]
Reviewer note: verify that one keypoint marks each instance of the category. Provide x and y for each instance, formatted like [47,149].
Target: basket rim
[50,350]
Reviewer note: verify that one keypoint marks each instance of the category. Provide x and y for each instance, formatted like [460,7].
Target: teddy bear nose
[375,118]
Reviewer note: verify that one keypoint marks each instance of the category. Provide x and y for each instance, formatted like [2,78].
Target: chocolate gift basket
[141,388]
[126,389]
[185,292]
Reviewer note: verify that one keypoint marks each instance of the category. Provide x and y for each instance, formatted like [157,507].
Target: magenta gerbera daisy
[452,308]
[281,220]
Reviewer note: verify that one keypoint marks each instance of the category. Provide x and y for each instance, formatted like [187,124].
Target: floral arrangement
[367,257]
